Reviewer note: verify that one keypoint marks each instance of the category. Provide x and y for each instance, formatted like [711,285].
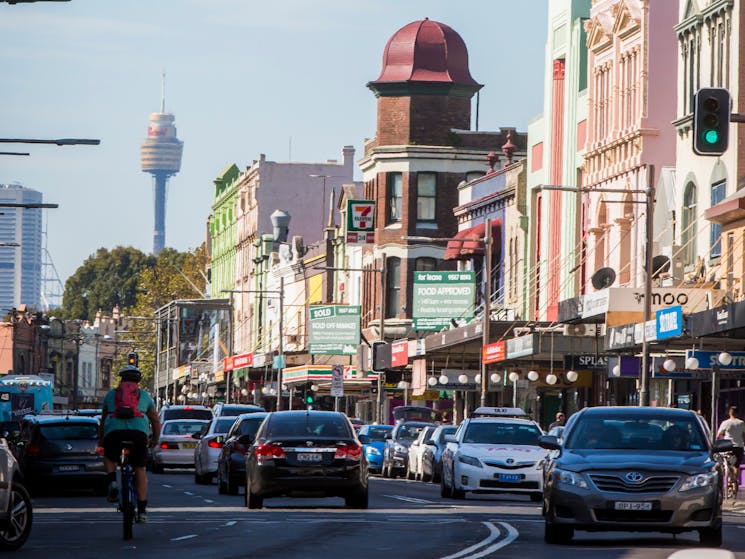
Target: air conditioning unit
[583,329]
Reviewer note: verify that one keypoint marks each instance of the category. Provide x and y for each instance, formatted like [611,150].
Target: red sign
[400,353]
[227,364]
[237,361]
[492,353]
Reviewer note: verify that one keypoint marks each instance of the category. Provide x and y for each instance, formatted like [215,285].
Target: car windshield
[304,425]
[70,432]
[250,426]
[223,425]
[501,433]
[182,427]
[630,432]
[408,432]
[377,433]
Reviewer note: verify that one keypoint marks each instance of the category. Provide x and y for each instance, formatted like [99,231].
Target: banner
[334,329]
[440,297]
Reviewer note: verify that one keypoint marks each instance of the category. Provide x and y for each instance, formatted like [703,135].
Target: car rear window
[446,431]
[250,426]
[186,414]
[409,432]
[377,433]
[501,433]
[182,428]
[224,425]
[69,432]
[305,425]
[232,411]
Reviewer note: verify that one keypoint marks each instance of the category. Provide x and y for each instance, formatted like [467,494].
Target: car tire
[200,479]
[557,534]
[536,497]
[456,493]
[357,500]
[21,518]
[253,501]
[410,475]
[710,537]
[444,489]
[222,489]
[231,487]
[156,468]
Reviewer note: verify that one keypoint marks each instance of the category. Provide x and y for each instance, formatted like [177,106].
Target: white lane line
[231,523]
[209,501]
[410,499]
[166,485]
[188,493]
[512,534]
[190,536]
[493,535]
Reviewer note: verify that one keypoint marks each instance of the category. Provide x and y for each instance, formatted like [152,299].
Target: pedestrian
[733,429]
[560,420]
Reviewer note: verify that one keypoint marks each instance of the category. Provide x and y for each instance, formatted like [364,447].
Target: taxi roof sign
[485,411]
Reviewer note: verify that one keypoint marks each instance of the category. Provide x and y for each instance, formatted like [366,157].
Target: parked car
[231,463]
[357,423]
[176,446]
[209,444]
[309,452]
[396,452]
[16,508]
[414,464]
[222,409]
[60,451]
[372,438]
[493,455]
[169,412]
[432,453]
[633,469]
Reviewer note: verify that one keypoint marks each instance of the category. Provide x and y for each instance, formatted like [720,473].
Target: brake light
[169,446]
[269,452]
[214,444]
[33,449]
[188,408]
[99,450]
[348,452]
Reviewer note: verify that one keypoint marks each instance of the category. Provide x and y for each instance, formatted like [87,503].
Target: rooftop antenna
[163,92]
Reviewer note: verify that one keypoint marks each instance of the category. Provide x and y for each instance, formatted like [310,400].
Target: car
[176,446]
[169,412]
[306,453]
[432,453]
[357,423]
[396,451]
[16,507]
[414,463]
[637,469]
[60,451]
[209,443]
[493,455]
[372,438]
[231,463]
[222,409]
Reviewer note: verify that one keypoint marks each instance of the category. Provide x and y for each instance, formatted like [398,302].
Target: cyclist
[733,429]
[114,430]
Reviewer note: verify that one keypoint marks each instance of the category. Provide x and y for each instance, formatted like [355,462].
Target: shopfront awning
[461,249]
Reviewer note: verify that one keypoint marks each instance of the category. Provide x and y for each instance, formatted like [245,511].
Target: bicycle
[731,474]
[127,495]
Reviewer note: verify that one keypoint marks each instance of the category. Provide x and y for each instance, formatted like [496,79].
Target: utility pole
[648,276]
[383,268]
[487,308]
[281,364]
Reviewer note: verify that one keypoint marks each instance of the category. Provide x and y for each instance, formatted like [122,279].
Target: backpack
[127,400]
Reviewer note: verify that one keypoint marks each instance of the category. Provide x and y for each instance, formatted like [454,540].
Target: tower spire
[163,92]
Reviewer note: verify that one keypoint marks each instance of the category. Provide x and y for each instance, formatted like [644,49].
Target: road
[406,520]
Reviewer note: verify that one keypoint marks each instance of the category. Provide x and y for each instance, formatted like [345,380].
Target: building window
[425,264]
[395,196]
[426,196]
[718,191]
[393,287]
[688,225]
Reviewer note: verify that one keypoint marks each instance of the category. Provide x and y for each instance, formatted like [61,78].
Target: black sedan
[304,454]
[231,463]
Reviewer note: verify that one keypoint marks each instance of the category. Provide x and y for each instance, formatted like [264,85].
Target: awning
[466,249]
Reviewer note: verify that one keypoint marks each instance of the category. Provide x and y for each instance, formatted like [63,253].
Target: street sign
[334,329]
[337,381]
[440,297]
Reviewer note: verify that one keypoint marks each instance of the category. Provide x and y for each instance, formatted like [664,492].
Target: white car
[177,443]
[414,467]
[493,455]
[208,449]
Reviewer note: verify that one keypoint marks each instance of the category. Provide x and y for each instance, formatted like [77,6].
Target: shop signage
[629,335]
[630,366]
[586,362]
[360,221]
[334,329]
[708,359]
[720,319]
[520,347]
[626,299]
[493,353]
[669,322]
[237,361]
[440,297]
[400,353]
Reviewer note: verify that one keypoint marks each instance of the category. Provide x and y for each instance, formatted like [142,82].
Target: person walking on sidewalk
[733,429]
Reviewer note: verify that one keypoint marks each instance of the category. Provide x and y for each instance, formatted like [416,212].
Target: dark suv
[397,443]
[633,469]
[306,453]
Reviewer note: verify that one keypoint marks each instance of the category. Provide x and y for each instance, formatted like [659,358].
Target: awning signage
[440,297]
[494,353]
[400,353]
[237,361]
[709,359]
[589,361]
[520,347]
[669,322]
[720,319]
[629,335]
[630,366]
[334,329]
[627,299]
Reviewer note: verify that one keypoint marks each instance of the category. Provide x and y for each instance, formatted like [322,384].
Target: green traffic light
[309,399]
[711,136]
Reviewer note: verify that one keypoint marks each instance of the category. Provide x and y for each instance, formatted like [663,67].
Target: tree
[105,280]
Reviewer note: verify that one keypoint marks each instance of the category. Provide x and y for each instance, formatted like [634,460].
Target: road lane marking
[188,493]
[493,535]
[230,523]
[410,499]
[512,534]
[209,501]
[190,536]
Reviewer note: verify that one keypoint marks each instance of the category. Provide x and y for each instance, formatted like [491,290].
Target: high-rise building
[20,248]
[160,155]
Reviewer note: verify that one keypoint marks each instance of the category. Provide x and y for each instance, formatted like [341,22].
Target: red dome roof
[426,51]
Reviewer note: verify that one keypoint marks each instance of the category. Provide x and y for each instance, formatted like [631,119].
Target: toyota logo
[510,461]
[634,477]
[308,443]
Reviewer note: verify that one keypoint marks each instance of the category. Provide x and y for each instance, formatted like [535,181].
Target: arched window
[688,225]
[393,287]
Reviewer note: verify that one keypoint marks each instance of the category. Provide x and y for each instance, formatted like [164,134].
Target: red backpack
[127,400]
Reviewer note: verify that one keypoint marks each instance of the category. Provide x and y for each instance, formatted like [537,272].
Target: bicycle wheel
[127,505]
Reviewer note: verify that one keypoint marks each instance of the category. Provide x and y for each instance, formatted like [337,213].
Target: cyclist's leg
[141,483]
[138,459]
[111,452]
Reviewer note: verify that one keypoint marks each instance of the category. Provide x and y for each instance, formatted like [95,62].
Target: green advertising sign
[334,329]
[442,296]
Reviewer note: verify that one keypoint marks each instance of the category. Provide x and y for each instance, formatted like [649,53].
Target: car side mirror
[388,436]
[722,445]
[364,439]
[549,442]
[451,439]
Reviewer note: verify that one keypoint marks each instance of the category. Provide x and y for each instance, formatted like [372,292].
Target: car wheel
[253,501]
[222,489]
[157,468]
[536,497]
[231,487]
[444,489]
[357,500]
[456,493]
[409,474]
[710,537]
[20,519]
[199,479]
[557,534]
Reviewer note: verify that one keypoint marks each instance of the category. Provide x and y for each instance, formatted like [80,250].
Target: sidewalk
[736,506]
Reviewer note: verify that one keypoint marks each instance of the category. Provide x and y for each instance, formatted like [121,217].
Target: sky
[243,77]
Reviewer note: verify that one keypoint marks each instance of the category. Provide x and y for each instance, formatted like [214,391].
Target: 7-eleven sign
[360,216]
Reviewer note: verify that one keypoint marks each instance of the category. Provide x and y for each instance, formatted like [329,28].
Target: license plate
[69,468]
[188,445]
[509,478]
[309,457]
[633,505]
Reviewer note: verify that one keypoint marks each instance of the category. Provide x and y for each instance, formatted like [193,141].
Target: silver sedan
[177,444]
[211,440]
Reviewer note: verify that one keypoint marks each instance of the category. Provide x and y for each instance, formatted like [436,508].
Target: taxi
[494,451]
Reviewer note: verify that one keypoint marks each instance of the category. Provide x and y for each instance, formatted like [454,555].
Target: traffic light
[711,118]
[310,399]
[132,359]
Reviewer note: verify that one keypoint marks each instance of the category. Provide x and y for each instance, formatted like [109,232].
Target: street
[406,519]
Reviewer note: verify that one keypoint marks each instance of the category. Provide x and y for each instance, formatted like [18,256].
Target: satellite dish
[603,278]
[660,265]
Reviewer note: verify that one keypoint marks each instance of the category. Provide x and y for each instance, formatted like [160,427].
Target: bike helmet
[130,373]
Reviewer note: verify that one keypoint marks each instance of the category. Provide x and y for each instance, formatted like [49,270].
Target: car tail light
[269,452]
[99,450]
[169,446]
[33,449]
[348,452]
[214,444]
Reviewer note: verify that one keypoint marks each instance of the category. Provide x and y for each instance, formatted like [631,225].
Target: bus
[22,395]
[416,413]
